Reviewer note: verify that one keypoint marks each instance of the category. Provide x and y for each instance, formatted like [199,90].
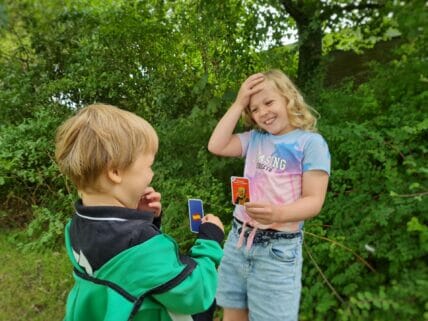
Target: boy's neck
[97,199]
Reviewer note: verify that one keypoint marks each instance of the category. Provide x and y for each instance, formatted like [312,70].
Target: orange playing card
[240,190]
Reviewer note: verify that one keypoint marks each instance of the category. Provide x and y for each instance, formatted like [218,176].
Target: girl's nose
[264,110]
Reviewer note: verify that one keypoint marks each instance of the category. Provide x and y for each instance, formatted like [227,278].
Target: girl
[288,166]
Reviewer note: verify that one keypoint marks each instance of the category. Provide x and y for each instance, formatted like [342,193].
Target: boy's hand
[150,201]
[264,213]
[210,218]
[248,88]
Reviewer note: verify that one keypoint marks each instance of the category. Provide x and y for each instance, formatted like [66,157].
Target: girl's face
[268,109]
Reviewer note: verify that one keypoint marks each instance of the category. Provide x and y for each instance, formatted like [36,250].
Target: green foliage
[35,194]
[365,253]
[377,203]
[185,169]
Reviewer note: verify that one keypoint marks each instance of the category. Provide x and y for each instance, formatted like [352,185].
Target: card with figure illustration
[196,213]
[240,190]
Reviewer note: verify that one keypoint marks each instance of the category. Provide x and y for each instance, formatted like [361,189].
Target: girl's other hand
[264,213]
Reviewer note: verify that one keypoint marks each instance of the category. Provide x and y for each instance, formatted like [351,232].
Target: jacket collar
[111,213]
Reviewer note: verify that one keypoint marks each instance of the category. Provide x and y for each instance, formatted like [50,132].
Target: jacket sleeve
[197,291]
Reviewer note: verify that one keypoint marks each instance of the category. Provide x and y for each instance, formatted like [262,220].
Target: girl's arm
[314,189]
[223,142]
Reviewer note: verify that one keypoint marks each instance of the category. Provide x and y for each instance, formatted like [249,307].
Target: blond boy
[125,268]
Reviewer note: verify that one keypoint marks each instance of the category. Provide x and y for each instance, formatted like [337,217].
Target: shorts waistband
[262,236]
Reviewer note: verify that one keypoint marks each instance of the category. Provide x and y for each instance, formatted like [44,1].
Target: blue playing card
[196,213]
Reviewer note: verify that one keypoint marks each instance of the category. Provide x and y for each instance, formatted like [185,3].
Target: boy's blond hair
[299,113]
[98,137]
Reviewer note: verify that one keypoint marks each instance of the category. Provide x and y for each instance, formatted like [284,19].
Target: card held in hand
[196,213]
[240,190]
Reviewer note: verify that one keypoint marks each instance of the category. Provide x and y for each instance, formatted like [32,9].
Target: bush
[33,190]
[368,241]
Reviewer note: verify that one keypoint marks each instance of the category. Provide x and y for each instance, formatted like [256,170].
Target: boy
[124,267]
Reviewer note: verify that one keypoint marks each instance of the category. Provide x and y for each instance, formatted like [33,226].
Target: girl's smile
[268,109]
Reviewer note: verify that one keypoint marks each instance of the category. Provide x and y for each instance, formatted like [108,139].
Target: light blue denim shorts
[265,279]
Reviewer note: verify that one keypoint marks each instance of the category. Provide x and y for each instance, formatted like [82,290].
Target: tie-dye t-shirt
[275,165]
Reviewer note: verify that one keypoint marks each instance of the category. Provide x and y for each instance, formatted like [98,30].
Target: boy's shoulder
[103,232]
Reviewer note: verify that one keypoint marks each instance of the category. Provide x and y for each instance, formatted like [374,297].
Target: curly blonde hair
[300,114]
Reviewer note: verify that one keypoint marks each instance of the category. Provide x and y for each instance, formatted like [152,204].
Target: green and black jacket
[125,268]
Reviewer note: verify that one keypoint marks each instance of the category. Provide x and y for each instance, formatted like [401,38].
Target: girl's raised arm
[223,142]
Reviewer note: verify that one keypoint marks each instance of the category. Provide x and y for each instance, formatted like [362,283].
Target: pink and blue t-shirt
[275,165]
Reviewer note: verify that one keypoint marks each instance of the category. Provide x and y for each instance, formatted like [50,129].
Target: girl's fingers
[253,80]
[254,205]
[256,76]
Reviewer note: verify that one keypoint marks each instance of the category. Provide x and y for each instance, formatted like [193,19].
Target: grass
[34,286]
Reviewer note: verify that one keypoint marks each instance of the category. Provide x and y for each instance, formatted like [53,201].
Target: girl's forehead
[268,90]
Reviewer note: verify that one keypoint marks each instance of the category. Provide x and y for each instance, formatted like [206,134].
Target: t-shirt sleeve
[316,154]
[245,140]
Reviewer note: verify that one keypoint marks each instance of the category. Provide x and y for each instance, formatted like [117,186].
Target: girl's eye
[269,102]
[253,110]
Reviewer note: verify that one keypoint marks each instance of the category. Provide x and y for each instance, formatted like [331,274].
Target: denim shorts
[265,279]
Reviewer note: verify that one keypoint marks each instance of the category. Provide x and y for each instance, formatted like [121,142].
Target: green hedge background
[179,65]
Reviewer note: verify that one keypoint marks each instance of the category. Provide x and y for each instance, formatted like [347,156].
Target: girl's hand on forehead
[150,201]
[248,88]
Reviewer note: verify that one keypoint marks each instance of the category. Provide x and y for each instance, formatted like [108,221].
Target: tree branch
[336,294]
[293,10]
[412,195]
[337,9]
[360,258]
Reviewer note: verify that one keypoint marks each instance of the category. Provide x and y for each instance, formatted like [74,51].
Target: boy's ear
[114,175]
